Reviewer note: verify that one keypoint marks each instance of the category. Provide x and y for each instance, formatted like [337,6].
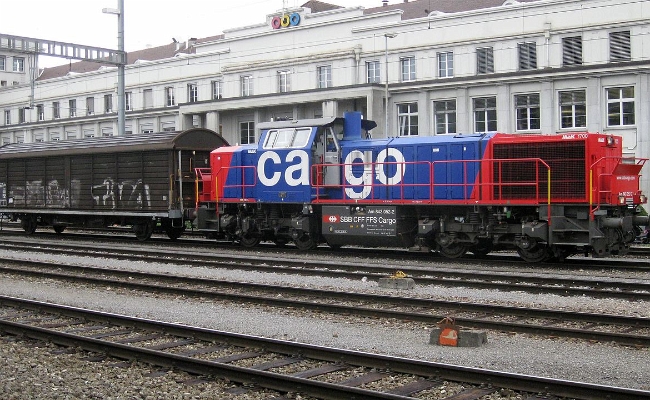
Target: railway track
[255,362]
[629,289]
[123,236]
[625,330]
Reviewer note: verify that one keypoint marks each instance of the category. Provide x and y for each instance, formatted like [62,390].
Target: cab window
[287,138]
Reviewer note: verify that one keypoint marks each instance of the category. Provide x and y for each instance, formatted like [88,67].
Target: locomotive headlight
[621,200]
[610,140]
[643,199]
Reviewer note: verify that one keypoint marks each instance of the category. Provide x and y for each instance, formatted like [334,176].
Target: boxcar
[145,181]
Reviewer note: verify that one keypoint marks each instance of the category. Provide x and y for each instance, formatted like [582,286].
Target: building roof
[422,8]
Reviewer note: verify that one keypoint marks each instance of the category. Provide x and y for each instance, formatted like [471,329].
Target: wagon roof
[191,139]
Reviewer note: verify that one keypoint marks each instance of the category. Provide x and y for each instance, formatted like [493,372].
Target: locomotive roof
[191,139]
[326,121]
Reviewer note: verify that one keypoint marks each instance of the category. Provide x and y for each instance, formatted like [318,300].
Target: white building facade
[534,67]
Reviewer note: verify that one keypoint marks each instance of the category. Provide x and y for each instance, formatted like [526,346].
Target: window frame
[72,108]
[18,64]
[40,112]
[485,114]
[90,106]
[246,85]
[324,76]
[527,112]
[108,103]
[622,105]
[284,81]
[7,118]
[192,93]
[247,128]
[170,97]
[575,109]
[407,69]
[3,63]
[442,117]
[408,119]
[217,89]
[373,71]
[56,110]
[445,61]
[128,101]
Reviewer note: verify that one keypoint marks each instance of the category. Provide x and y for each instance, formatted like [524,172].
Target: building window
[619,46]
[147,98]
[19,64]
[88,133]
[444,116]
[40,112]
[528,112]
[192,93]
[446,64]
[38,137]
[284,81]
[3,83]
[55,137]
[90,105]
[71,134]
[170,100]
[72,107]
[108,103]
[128,101]
[247,132]
[217,91]
[3,63]
[620,106]
[373,74]
[407,65]
[21,115]
[484,60]
[7,117]
[56,110]
[324,76]
[107,132]
[407,118]
[527,56]
[246,83]
[573,109]
[485,114]
[572,51]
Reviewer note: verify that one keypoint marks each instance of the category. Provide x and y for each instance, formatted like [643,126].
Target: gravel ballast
[599,363]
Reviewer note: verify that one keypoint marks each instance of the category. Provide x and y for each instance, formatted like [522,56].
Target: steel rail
[318,304]
[276,381]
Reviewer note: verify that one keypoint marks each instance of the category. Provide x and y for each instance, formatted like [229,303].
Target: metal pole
[121,125]
[386,36]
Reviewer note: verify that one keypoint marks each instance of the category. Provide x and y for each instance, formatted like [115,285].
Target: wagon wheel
[28,224]
[143,230]
[482,248]
[305,242]
[249,239]
[174,233]
[454,250]
[535,254]
[59,228]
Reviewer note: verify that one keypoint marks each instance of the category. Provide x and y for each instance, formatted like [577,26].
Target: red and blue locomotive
[327,181]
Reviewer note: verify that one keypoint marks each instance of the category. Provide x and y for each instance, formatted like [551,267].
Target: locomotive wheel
[305,242]
[536,254]
[249,240]
[59,228]
[174,233]
[482,248]
[143,230]
[29,225]
[454,250]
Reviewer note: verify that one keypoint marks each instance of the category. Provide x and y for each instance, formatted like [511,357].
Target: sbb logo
[285,21]
[332,219]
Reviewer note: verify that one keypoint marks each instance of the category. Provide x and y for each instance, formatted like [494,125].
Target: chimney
[384,3]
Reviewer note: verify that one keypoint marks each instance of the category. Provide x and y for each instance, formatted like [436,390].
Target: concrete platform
[466,338]
[396,283]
